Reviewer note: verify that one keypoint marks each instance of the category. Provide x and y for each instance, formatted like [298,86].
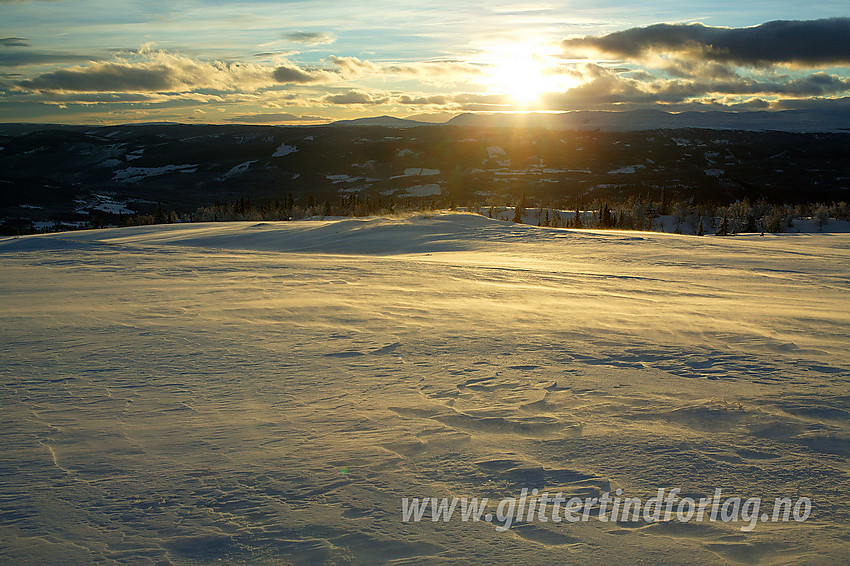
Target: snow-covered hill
[267,393]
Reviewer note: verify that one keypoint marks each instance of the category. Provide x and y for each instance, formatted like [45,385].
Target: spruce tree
[519,210]
[159,218]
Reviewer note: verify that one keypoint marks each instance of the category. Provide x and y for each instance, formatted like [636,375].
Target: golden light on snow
[360,361]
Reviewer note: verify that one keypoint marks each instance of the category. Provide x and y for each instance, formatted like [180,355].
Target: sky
[315,61]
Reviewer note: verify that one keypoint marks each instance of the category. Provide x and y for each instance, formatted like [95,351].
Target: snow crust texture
[267,393]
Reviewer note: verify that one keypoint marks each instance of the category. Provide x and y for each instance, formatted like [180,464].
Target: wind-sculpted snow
[267,393]
[370,236]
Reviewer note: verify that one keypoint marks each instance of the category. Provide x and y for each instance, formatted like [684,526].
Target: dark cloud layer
[819,84]
[438,99]
[610,88]
[24,58]
[103,77]
[293,74]
[354,96]
[13,42]
[807,43]
[310,37]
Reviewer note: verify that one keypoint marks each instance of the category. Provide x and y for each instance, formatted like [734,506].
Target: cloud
[91,98]
[151,70]
[148,70]
[291,73]
[818,84]
[354,96]
[104,77]
[604,87]
[828,104]
[804,43]
[310,37]
[159,71]
[13,42]
[419,100]
[752,104]
[458,101]
[492,100]
[345,68]
[274,118]
[426,70]
[24,58]
[352,67]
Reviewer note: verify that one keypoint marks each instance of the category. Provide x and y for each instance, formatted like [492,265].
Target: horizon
[447,121]
[313,62]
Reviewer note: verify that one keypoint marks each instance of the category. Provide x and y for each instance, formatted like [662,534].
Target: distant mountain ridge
[385,121]
[834,119]
[826,120]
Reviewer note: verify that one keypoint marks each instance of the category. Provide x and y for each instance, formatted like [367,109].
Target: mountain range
[829,119]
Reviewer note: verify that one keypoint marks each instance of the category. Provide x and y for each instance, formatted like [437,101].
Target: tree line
[634,213]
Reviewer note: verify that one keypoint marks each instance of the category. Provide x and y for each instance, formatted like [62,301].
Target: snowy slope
[267,393]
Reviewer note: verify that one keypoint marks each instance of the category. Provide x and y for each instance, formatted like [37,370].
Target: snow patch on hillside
[335,179]
[415,171]
[427,190]
[627,169]
[136,174]
[495,151]
[239,169]
[284,149]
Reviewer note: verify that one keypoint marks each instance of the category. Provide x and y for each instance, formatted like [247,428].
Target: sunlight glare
[525,72]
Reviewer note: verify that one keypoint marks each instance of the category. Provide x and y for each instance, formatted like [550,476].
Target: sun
[522,77]
[526,72]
